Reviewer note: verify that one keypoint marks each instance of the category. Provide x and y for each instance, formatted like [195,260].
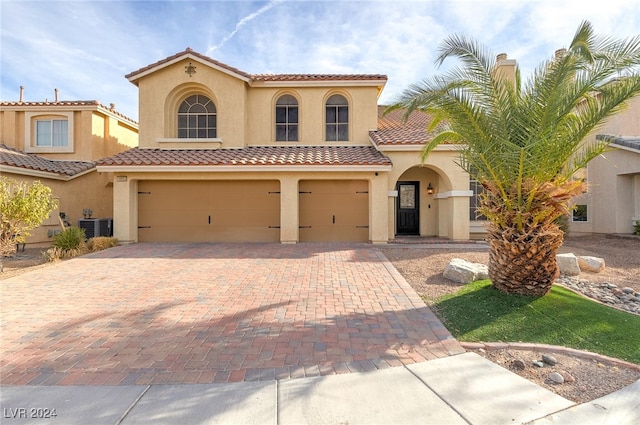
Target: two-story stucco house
[229,156]
[57,142]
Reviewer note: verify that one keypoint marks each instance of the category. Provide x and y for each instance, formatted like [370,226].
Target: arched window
[197,118]
[287,119]
[337,118]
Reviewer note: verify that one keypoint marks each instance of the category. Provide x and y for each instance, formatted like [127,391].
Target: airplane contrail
[243,22]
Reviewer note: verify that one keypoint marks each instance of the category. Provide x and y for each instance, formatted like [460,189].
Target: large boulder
[463,271]
[568,264]
[590,264]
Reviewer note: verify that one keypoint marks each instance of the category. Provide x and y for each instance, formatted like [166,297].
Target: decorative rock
[462,271]
[606,292]
[568,264]
[628,290]
[556,377]
[590,264]
[567,376]
[518,364]
[538,363]
[549,359]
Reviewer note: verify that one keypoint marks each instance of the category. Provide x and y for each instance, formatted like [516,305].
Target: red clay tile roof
[318,77]
[16,158]
[252,155]
[393,131]
[262,77]
[66,104]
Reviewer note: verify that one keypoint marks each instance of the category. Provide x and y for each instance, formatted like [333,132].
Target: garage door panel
[334,210]
[209,211]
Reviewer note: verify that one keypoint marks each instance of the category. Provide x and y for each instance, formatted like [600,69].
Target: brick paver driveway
[198,313]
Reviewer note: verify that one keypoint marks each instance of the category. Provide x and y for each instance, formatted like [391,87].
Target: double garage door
[249,211]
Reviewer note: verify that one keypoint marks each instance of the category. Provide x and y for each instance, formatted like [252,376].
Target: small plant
[69,239]
[101,242]
[636,228]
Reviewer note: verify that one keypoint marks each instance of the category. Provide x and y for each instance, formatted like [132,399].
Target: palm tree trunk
[523,262]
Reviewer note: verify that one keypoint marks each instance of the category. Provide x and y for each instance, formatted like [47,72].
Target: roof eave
[240,168]
[42,174]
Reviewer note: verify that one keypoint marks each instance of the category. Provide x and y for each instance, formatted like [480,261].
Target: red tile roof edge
[16,158]
[251,155]
[261,77]
[67,104]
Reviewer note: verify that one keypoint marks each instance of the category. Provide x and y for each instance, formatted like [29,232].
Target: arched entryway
[416,204]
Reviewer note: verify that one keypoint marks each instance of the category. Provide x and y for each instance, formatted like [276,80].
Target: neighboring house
[58,143]
[612,201]
[229,156]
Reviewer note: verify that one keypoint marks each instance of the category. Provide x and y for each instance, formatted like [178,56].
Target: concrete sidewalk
[461,389]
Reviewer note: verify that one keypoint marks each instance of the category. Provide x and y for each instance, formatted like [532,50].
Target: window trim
[337,123]
[286,124]
[30,134]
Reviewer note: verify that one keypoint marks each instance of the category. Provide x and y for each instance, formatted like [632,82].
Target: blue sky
[84,48]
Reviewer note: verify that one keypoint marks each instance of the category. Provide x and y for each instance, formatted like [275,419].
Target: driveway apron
[202,313]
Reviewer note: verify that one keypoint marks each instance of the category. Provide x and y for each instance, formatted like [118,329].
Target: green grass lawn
[479,313]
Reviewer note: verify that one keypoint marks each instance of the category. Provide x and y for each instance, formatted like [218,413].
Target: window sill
[216,140]
[49,149]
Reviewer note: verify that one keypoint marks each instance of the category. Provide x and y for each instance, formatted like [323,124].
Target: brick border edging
[587,355]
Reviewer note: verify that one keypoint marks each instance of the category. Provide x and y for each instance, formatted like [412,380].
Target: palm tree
[524,142]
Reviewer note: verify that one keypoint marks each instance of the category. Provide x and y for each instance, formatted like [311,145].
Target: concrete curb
[538,348]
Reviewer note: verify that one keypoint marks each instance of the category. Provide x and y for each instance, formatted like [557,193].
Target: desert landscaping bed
[593,376]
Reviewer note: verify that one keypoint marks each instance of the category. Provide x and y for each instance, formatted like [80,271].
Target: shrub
[69,239]
[55,253]
[101,242]
[636,228]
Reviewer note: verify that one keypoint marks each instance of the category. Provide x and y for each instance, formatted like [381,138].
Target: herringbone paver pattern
[201,313]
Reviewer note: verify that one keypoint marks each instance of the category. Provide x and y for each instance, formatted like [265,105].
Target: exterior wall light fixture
[190,69]
[430,189]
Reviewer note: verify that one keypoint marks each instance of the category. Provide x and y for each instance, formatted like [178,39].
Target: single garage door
[334,210]
[209,211]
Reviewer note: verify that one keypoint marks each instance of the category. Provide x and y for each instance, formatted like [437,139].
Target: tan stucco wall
[92,190]
[162,92]
[245,114]
[311,109]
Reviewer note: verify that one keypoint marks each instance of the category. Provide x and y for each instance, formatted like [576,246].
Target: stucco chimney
[112,106]
[505,68]
[56,92]
[21,94]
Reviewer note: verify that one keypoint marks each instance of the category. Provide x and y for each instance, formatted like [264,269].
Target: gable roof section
[265,157]
[16,161]
[259,79]
[393,131]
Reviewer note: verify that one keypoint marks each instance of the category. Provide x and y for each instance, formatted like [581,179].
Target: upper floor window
[197,118]
[337,118]
[52,133]
[287,119]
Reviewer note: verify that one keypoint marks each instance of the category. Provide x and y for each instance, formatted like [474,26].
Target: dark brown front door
[408,208]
